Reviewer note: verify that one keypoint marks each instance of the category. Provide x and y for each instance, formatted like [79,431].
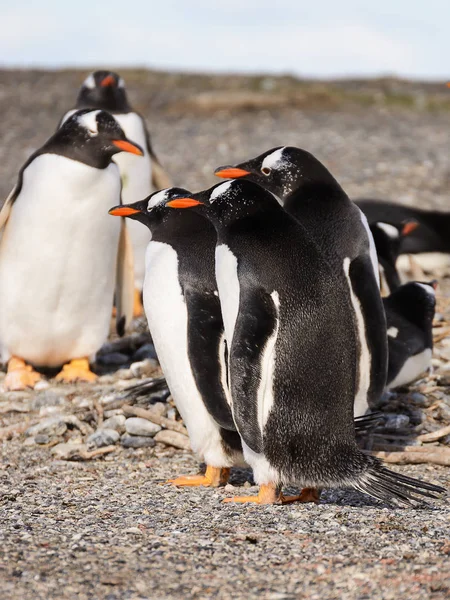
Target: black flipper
[145,387]
[394,488]
[366,423]
[256,322]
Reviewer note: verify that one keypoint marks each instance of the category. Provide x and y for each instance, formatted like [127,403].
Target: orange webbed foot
[269,494]
[77,370]
[213,477]
[20,376]
[138,308]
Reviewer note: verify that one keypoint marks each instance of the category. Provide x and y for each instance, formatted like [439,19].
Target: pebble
[103,437]
[173,438]
[41,438]
[135,441]
[42,384]
[159,408]
[47,398]
[52,426]
[145,351]
[112,359]
[139,426]
[144,368]
[393,421]
[68,450]
[419,399]
[117,422]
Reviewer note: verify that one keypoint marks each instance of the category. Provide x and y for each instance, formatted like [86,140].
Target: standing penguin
[308,192]
[60,254]
[388,239]
[184,317]
[410,313]
[106,90]
[288,313]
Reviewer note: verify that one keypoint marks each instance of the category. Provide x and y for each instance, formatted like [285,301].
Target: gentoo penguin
[388,239]
[140,176]
[429,243]
[60,247]
[288,315]
[409,314]
[184,317]
[308,192]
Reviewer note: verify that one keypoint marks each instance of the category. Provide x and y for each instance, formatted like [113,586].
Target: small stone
[144,368]
[139,426]
[68,450]
[41,385]
[417,416]
[173,438]
[145,351]
[116,422]
[134,530]
[159,408]
[112,359]
[103,437]
[52,426]
[419,399]
[41,438]
[47,398]
[393,421]
[135,441]
[172,414]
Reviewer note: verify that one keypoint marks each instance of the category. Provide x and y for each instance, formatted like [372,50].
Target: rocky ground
[82,511]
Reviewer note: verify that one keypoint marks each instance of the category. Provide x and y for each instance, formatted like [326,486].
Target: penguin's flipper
[6,208]
[208,354]
[124,281]
[252,365]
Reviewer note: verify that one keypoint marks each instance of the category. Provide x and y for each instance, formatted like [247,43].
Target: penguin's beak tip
[108,81]
[123,211]
[126,146]
[230,172]
[183,203]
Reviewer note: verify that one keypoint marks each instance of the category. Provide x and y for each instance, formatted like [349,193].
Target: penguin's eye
[266,171]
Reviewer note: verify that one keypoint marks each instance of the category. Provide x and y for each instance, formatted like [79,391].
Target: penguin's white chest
[58,255]
[228,286]
[136,174]
[414,367]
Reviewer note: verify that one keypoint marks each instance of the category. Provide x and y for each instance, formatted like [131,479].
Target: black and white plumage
[409,314]
[140,176]
[184,316]
[59,256]
[288,318]
[308,192]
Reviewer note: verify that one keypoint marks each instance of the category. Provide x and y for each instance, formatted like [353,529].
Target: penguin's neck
[317,199]
[180,228]
[416,313]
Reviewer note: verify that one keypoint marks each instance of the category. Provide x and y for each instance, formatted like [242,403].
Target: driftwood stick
[433,436]
[98,452]
[435,457]
[6,433]
[136,411]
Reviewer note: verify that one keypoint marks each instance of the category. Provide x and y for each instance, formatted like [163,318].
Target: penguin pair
[60,254]
[429,243]
[106,90]
[287,308]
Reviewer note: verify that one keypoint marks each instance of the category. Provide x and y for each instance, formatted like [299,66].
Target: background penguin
[106,90]
[185,321]
[292,360]
[59,253]
[410,313]
[430,243]
[308,191]
[388,239]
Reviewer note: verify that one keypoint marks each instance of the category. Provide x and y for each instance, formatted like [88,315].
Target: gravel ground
[103,528]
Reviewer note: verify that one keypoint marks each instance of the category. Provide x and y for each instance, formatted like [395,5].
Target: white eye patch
[389,230]
[89,122]
[220,190]
[272,160]
[158,198]
[89,82]
[430,291]
[121,83]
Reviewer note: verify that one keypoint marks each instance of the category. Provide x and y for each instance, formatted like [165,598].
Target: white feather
[392,332]
[268,357]
[273,160]
[89,82]
[228,286]
[220,190]
[89,122]
[389,230]
[373,250]
[412,369]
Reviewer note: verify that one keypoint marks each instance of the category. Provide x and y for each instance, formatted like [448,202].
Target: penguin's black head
[388,237]
[416,300]
[282,171]
[228,202]
[104,90]
[92,137]
[153,210]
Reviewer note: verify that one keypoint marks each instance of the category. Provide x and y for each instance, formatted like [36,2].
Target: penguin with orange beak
[142,175]
[61,255]
[185,320]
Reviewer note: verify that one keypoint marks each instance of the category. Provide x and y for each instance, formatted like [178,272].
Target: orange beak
[109,81]
[230,172]
[123,211]
[183,203]
[434,283]
[409,227]
[128,147]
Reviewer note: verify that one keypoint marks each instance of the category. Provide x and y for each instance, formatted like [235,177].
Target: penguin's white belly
[167,317]
[412,369]
[228,287]
[136,174]
[58,257]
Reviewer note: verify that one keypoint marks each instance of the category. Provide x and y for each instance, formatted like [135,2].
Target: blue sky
[321,38]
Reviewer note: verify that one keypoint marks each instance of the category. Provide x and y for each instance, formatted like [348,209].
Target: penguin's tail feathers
[367,423]
[394,488]
[144,387]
